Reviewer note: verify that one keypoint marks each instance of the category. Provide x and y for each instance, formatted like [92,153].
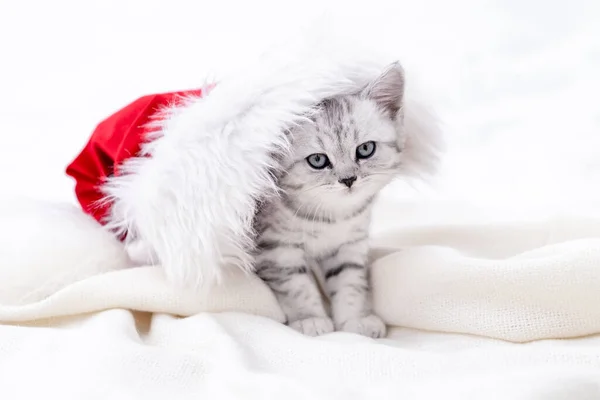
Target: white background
[515,81]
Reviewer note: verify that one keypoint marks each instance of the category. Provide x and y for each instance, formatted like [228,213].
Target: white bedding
[492,310]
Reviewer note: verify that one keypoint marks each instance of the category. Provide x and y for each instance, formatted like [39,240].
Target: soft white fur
[189,206]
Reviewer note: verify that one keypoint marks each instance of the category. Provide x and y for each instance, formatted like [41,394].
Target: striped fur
[320,224]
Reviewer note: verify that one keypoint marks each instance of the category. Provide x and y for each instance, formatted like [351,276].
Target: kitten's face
[347,154]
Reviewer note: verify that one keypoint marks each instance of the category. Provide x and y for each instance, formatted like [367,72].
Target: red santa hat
[178,175]
[115,139]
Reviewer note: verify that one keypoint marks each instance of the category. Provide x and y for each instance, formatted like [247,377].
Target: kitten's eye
[365,150]
[318,160]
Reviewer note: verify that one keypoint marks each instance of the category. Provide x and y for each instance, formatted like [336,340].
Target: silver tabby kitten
[339,162]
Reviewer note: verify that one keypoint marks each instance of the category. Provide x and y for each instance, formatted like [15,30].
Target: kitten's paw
[313,326]
[371,326]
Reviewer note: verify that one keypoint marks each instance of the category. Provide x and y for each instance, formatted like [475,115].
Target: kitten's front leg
[284,269]
[347,284]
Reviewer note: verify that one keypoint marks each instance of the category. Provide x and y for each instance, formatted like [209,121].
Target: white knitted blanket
[495,311]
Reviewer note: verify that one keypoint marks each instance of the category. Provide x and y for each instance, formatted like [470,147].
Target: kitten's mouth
[350,190]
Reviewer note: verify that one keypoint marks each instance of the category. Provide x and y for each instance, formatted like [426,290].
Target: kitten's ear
[388,89]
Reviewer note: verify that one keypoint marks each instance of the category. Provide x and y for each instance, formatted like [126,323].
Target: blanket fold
[511,281]
[455,295]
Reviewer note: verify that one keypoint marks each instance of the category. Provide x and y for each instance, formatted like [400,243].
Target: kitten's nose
[348,181]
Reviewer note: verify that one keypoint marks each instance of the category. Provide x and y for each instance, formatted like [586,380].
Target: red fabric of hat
[115,139]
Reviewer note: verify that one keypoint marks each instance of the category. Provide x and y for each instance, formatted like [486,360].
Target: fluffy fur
[190,205]
[321,220]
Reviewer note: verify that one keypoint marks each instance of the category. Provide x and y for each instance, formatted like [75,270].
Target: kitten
[339,161]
